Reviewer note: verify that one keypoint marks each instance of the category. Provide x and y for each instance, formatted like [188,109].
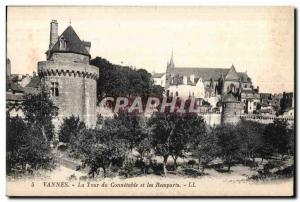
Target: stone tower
[231,109]
[69,77]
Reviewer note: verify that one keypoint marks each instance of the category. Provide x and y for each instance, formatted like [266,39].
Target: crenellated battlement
[264,117]
[49,68]
[267,119]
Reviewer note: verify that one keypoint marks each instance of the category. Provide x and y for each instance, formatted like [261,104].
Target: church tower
[169,72]
[69,77]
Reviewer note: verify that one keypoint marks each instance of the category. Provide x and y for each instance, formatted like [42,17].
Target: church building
[208,84]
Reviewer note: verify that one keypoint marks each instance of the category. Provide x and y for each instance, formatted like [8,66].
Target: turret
[231,109]
[70,79]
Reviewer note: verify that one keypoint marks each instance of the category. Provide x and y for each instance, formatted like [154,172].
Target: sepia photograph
[150,101]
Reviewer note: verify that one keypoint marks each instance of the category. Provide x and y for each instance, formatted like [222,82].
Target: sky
[256,40]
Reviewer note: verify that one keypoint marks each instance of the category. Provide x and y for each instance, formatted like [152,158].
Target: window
[62,43]
[54,89]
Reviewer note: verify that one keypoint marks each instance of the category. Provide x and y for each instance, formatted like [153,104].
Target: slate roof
[34,82]
[73,43]
[232,75]
[157,75]
[244,77]
[207,73]
[10,85]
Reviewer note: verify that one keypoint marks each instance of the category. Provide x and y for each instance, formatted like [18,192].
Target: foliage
[251,139]
[39,111]
[131,128]
[171,134]
[26,148]
[124,81]
[204,146]
[28,140]
[100,149]
[291,137]
[276,137]
[69,129]
[228,142]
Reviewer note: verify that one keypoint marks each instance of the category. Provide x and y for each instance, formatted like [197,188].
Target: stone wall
[267,119]
[69,57]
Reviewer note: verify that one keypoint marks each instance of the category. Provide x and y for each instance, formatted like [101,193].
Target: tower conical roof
[73,43]
[229,97]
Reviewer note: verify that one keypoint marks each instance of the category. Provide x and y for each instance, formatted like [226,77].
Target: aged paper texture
[150,101]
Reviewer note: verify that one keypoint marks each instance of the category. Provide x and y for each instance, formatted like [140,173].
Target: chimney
[53,33]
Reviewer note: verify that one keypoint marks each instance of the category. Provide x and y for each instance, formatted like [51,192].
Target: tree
[135,129]
[171,133]
[69,129]
[25,147]
[229,143]
[116,80]
[291,135]
[276,137]
[100,149]
[251,134]
[39,111]
[16,132]
[28,139]
[204,146]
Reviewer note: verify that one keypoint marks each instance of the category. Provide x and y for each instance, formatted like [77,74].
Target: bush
[192,172]
[158,168]
[27,150]
[70,129]
[170,167]
[129,169]
[191,163]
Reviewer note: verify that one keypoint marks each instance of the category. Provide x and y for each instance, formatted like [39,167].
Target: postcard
[156,101]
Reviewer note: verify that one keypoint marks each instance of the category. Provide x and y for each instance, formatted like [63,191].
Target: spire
[171,60]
